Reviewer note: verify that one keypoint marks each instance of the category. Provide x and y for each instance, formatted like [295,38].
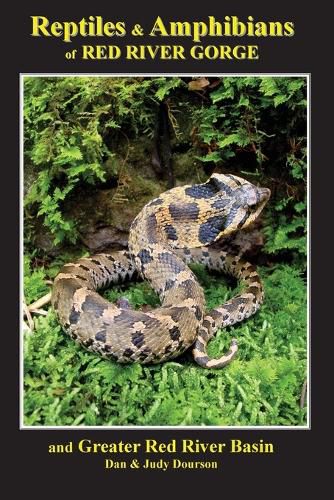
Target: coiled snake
[170,232]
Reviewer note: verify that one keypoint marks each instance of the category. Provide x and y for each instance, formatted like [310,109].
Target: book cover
[160,205]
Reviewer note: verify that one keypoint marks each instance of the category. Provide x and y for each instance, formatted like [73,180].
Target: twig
[26,328]
[28,316]
[39,311]
[40,302]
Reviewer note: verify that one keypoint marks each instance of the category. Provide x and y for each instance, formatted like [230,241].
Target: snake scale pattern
[170,232]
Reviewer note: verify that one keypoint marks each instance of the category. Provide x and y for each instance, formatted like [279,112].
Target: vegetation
[84,136]
[65,385]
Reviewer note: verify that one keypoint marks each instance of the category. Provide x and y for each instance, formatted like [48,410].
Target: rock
[44,240]
[29,178]
[105,239]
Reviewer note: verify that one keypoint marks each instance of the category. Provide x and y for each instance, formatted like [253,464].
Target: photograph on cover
[164,251]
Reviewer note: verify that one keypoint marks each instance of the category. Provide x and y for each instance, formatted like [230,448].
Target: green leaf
[243,101]
[230,139]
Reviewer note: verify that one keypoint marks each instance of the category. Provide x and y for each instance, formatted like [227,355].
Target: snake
[174,230]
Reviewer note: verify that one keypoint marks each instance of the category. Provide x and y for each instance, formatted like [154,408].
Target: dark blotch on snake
[97,262]
[202,360]
[158,201]
[210,229]
[253,279]
[145,256]
[220,186]
[175,333]
[190,288]
[128,352]
[221,203]
[145,353]
[101,336]
[184,211]
[198,313]
[200,191]
[234,179]
[85,268]
[200,345]
[151,228]
[177,312]
[207,323]
[170,232]
[91,305]
[236,302]
[176,265]
[169,284]
[74,316]
[138,339]
[251,269]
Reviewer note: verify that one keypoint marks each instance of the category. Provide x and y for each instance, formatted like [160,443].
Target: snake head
[198,215]
[239,202]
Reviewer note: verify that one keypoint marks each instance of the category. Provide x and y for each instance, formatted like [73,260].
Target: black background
[299,462]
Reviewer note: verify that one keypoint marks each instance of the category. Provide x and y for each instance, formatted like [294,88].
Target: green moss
[187,168]
[142,188]
[65,385]
[34,282]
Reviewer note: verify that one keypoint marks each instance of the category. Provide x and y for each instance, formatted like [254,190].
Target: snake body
[170,232]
